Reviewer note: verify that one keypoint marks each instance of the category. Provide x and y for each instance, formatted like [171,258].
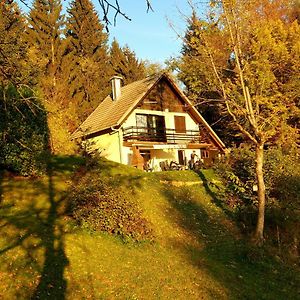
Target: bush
[282,180]
[101,207]
[23,131]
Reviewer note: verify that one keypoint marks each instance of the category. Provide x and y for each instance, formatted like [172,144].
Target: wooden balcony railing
[134,133]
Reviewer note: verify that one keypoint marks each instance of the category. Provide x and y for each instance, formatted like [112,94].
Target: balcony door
[152,127]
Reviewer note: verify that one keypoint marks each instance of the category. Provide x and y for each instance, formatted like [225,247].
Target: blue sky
[148,34]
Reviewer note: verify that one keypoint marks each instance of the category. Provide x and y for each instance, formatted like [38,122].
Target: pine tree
[13,49]
[88,61]
[47,50]
[125,63]
[44,36]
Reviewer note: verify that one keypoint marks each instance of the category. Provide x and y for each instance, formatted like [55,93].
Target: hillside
[197,252]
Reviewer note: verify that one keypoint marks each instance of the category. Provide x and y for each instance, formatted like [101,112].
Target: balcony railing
[134,133]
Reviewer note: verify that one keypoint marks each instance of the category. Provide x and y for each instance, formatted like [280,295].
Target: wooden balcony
[148,134]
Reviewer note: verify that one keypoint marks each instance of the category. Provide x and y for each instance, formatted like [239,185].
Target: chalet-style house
[148,122]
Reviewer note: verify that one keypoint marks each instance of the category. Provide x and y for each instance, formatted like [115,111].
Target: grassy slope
[198,253]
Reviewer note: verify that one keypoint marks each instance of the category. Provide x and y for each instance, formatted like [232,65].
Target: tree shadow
[37,230]
[209,188]
[52,284]
[225,255]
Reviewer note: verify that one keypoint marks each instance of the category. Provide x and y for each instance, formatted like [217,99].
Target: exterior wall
[108,145]
[162,97]
[163,100]
[169,155]
[169,118]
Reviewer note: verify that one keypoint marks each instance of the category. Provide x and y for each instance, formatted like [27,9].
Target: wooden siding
[163,97]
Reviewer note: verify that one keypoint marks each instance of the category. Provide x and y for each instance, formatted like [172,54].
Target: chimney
[116,87]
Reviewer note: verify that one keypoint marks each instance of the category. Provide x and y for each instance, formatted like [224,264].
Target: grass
[198,252]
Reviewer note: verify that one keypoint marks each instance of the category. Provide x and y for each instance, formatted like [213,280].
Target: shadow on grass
[245,272]
[35,230]
[215,199]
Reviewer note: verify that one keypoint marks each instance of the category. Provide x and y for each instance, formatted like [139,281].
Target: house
[149,121]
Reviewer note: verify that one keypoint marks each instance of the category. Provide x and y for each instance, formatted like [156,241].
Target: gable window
[179,124]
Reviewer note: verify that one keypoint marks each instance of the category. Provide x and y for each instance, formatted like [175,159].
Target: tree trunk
[259,232]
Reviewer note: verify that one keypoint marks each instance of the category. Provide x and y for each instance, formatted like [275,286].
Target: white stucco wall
[110,144]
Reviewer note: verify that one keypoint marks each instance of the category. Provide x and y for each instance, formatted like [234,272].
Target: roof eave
[95,132]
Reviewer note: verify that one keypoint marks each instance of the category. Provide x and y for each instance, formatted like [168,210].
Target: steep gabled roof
[112,113]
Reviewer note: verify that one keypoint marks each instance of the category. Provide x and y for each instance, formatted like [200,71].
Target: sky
[148,34]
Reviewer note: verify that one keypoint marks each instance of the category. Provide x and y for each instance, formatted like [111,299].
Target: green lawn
[198,252]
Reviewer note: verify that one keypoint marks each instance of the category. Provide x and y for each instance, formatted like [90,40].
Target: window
[204,154]
[152,125]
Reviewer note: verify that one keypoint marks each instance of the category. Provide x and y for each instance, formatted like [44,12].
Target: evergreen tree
[13,49]
[23,127]
[199,81]
[44,36]
[47,50]
[125,63]
[87,60]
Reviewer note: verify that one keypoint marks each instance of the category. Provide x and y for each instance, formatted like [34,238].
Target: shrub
[282,180]
[23,131]
[95,203]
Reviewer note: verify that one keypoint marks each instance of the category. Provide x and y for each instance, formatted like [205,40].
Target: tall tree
[88,60]
[199,81]
[47,49]
[23,129]
[45,39]
[125,63]
[13,49]
[258,92]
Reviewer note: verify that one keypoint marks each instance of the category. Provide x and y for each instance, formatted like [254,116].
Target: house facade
[149,122]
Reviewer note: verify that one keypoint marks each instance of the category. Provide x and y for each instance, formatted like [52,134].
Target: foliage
[45,22]
[13,49]
[268,52]
[87,61]
[23,131]
[47,50]
[250,58]
[282,173]
[103,207]
[125,63]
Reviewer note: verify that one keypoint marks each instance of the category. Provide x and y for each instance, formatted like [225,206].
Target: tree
[46,53]
[199,81]
[23,127]
[152,68]
[261,43]
[87,59]
[13,49]
[125,64]
[45,39]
